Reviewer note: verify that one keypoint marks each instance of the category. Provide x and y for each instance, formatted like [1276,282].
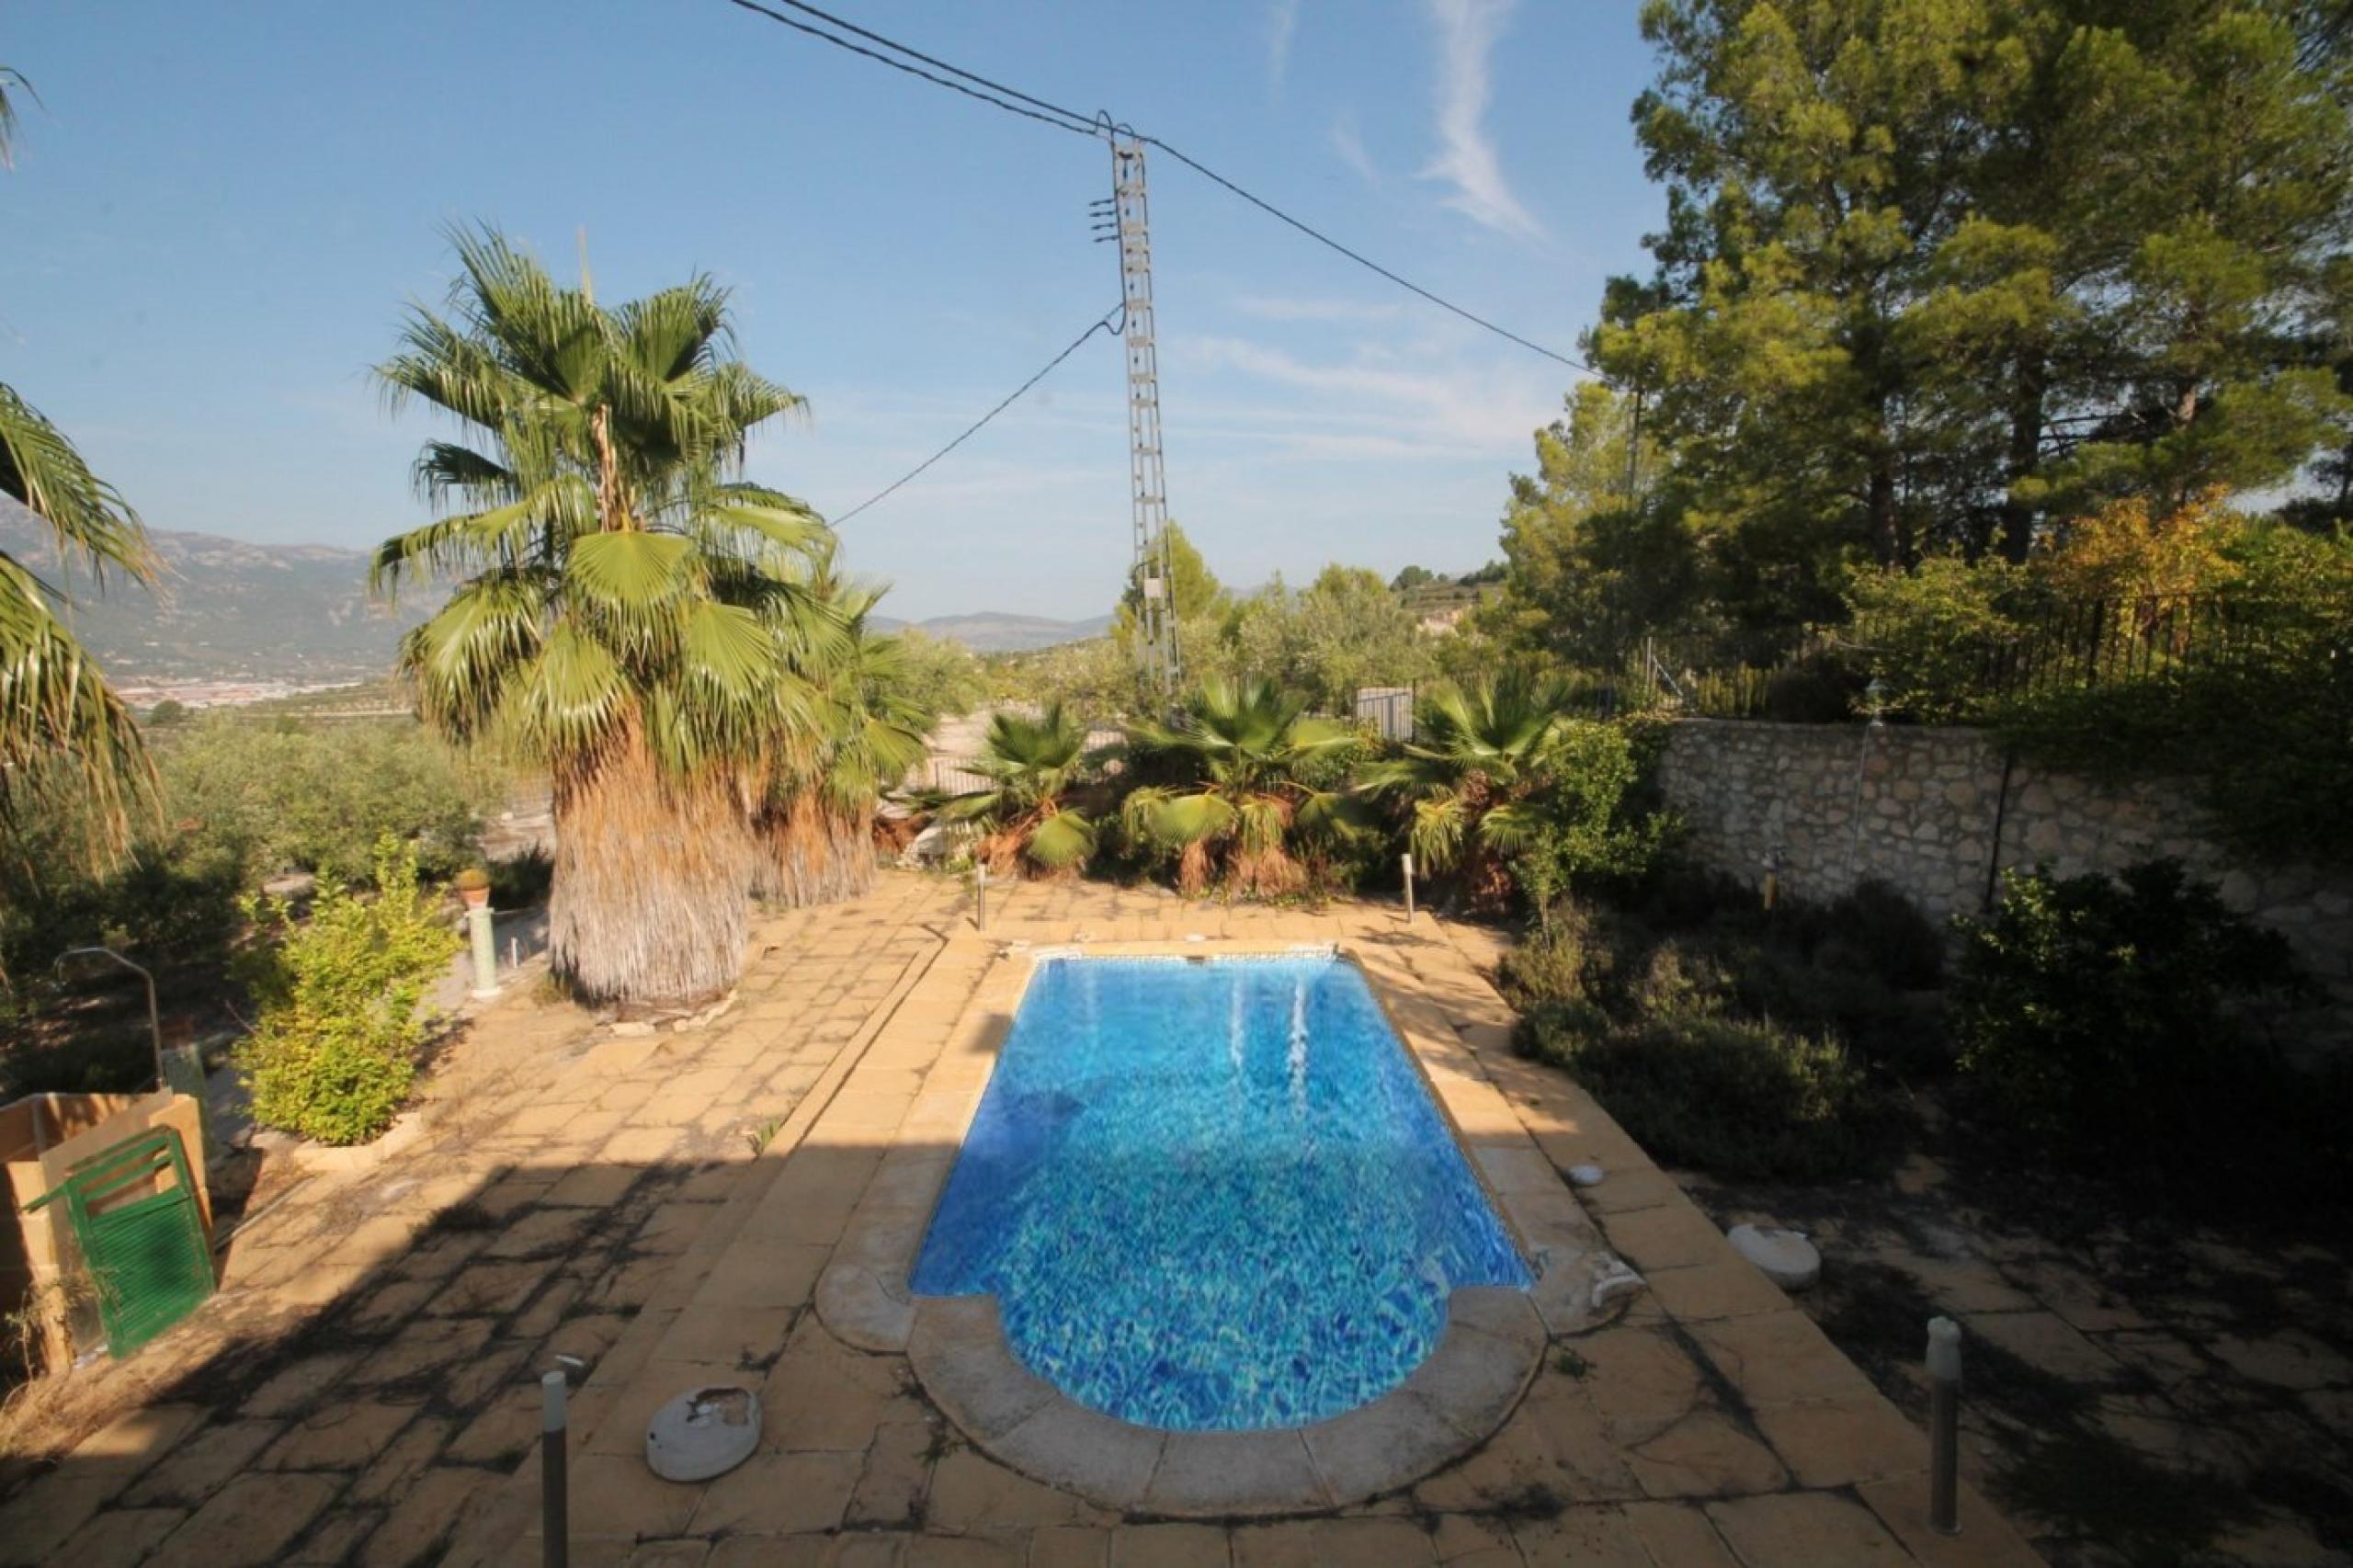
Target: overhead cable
[1109,322]
[1014,101]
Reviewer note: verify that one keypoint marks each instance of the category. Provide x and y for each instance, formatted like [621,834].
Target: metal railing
[2096,644]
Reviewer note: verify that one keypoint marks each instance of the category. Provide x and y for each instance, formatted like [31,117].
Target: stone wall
[1937,811]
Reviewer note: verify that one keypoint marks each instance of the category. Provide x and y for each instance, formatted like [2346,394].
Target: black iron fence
[2093,645]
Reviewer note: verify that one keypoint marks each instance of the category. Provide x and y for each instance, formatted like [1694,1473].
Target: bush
[1734,1097]
[335,1051]
[1863,968]
[1591,824]
[1567,959]
[2106,1019]
[941,677]
[1931,634]
[258,800]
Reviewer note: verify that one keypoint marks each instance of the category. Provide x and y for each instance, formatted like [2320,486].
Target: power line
[1078,123]
[1324,239]
[1088,122]
[1071,119]
[1107,323]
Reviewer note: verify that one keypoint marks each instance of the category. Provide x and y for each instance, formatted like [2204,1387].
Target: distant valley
[229,614]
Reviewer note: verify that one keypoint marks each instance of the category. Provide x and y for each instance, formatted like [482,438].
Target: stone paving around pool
[662,1207]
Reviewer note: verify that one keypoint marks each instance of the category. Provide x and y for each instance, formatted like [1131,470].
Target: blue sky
[219,212]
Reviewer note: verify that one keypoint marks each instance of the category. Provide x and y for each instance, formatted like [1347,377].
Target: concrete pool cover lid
[1492,1348]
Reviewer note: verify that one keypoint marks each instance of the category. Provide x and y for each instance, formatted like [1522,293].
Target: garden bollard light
[1407,862]
[554,1512]
[1944,1426]
[980,896]
[485,950]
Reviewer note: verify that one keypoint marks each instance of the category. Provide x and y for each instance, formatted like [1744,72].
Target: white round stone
[1785,1257]
[1586,1175]
[703,1433]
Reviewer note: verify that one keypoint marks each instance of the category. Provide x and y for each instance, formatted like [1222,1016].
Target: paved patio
[661,1207]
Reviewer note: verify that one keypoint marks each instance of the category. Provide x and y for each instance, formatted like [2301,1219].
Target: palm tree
[817,818]
[1249,791]
[1480,755]
[617,621]
[11,81]
[1026,817]
[62,729]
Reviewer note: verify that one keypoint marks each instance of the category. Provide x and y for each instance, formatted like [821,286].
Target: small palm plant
[828,777]
[1035,767]
[1482,755]
[1238,793]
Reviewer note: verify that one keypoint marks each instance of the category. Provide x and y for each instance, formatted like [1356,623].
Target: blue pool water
[1212,1195]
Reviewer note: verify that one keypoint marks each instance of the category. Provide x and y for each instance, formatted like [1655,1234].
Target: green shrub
[2105,1018]
[264,799]
[1863,968]
[1567,958]
[1728,1096]
[1593,825]
[334,1050]
[1932,632]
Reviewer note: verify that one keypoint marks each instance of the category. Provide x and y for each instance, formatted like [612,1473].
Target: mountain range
[991,632]
[224,610]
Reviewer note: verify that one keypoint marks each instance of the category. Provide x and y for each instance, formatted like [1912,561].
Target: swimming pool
[1212,1196]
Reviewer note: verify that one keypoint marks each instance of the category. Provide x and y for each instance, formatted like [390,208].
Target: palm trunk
[790,866]
[854,862]
[809,854]
[650,901]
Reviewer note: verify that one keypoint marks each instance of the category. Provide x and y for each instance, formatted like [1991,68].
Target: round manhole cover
[702,1433]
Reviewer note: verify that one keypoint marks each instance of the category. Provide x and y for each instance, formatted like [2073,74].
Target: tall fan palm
[618,621]
[1026,817]
[817,819]
[1249,804]
[61,727]
[11,81]
[1480,755]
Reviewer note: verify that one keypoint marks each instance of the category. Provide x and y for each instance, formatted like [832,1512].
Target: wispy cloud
[1466,156]
[1350,145]
[1432,401]
[1284,307]
[1282,25]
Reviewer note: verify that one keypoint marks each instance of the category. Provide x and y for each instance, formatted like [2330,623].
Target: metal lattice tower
[1156,653]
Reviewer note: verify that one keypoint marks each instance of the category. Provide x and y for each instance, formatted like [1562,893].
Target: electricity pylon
[1157,658]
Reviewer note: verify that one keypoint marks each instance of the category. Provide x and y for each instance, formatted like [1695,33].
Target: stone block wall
[1936,813]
